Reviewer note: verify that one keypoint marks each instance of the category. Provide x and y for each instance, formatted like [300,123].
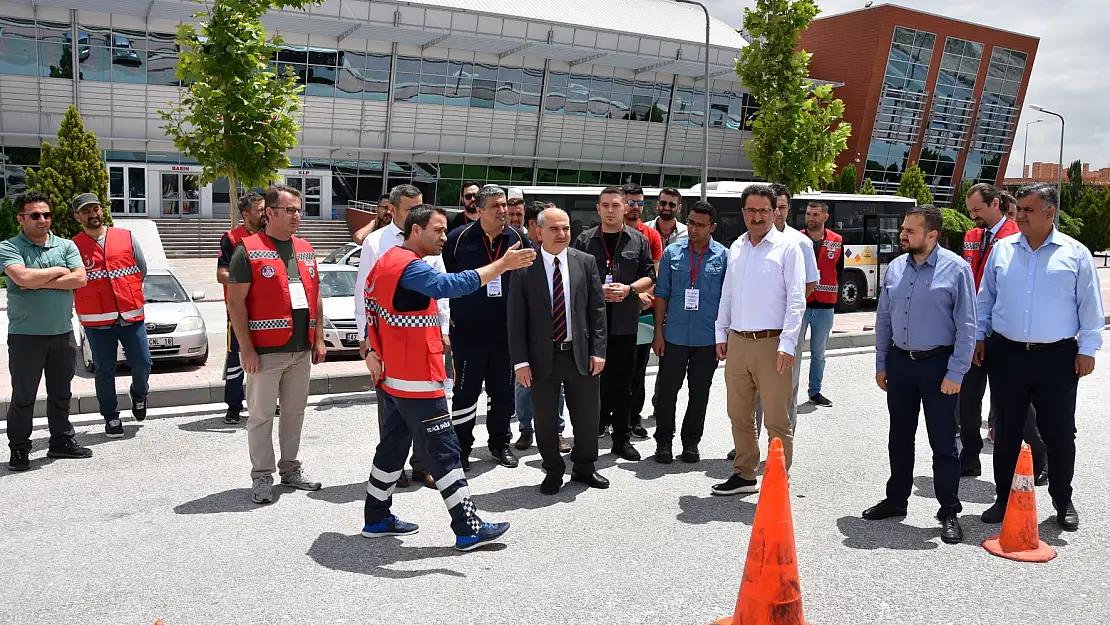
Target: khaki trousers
[751,368]
[282,378]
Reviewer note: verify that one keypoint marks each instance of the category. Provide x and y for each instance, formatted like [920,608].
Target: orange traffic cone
[1020,538]
[770,593]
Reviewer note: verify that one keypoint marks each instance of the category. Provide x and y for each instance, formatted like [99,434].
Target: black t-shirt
[460,220]
[610,240]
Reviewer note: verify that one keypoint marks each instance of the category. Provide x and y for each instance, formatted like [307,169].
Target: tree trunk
[234,193]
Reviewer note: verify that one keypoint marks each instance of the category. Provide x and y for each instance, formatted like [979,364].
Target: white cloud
[1070,73]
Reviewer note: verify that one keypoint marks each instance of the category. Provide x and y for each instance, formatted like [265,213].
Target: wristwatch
[631,291]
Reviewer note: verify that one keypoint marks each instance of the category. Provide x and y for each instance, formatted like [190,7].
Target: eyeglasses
[470,196]
[690,223]
[636,203]
[37,216]
[760,211]
[291,210]
[664,204]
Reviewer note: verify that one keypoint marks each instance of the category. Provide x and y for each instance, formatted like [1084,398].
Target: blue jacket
[468,247]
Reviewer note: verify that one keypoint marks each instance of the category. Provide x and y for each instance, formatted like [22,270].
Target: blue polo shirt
[691,328]
[468,247]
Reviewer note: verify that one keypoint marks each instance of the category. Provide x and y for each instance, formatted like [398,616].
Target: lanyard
[608,256]
[488,247]
[694,269]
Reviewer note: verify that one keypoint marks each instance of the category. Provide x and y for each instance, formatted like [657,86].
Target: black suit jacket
[530,320]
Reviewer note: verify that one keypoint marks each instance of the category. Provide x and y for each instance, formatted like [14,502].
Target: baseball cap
[84,200]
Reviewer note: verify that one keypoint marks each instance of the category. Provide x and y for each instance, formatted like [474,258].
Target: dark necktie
[986,242]
[558,306]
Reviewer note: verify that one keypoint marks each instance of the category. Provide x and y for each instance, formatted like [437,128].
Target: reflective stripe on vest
[827,288]
[412,386]
[128,315]
[403,321]
[115,273]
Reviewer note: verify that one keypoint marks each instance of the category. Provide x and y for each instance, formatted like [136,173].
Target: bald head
[554,226]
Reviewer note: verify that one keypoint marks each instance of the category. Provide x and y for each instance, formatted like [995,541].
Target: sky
[1070,73]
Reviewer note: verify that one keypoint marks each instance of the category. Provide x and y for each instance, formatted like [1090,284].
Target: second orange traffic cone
[770,592]
[1020,538]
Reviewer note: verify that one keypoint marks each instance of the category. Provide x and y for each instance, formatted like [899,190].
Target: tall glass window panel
[18,51]
[578,94]
[555,99]
[406,88]
[128,57]
[601,90]
[162,60]
[620,103]
[485,86]
[531,88]
[459,83]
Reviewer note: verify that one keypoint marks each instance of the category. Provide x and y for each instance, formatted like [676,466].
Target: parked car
[337,289]
[174,326]
[346,254]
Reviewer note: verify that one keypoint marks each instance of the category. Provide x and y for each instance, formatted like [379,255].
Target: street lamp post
[1060,178]
[1025,152]
[705,122]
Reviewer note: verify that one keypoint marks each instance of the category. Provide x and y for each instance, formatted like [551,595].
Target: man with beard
[110,308]
[924,339]
[634,208]
[828,247]
[469,200]
[515,213]
[383,216]
[667,224]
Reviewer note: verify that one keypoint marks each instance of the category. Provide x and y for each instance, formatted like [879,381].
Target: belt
[1032,347]
[758,334]
[943,350]
[562,346]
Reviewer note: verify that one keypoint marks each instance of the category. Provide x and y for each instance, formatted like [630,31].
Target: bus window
[730,218]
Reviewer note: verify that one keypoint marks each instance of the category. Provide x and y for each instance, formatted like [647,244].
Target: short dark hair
[532,211]
[985,191]
[632,189]
[934,219]
[275,191]
[469,183]
[780,189]
[383,198]
[1046,191]
[609,190]
[1007,201]
[31,197]
[403,190]
[516,201]
[670,191]
[762,190]
[420,215]
[818,204]
[248,200]
[704,208]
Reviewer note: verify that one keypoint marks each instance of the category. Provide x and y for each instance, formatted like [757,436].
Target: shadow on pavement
[235,500]
[526,497]
[649,469]
[700,510]
[356,492]
[887,534]
[971,490]
[807,408]
[366,556]
[215,425]
[39,447]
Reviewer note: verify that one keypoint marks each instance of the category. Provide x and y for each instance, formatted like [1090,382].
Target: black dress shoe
[1042,477]
[638,431]
[69,449]
[464,458]
[594,480]
[690,455]
[505,457]
[626,451]
[20,460]
[821,400]
[971,469]
[995,513]
[551,484]
[423,477]
[403,480]
[885,509]
[950,530]
[1068,518]
[663,454]
[731,455]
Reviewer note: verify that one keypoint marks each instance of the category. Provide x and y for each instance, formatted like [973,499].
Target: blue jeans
[524,413]
[820,320]
[102,341]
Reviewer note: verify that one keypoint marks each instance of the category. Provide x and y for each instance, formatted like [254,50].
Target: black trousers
[29,357]
[697,365]
[616,386]
[1046,379]
[233,373]
[971,419]
[911,385]
[583,400]
[479,361]
[639,380]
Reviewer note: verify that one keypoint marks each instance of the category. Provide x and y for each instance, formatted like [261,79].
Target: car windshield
[337,283]
[163,288]
[337,254]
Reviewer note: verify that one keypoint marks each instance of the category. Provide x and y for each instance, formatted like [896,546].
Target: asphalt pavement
[159,525]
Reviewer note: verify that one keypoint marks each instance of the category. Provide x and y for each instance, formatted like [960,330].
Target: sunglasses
[636,203]
[665,203]
[470,196]
[38,216]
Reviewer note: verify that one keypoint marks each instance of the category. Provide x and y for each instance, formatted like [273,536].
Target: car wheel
[851,293]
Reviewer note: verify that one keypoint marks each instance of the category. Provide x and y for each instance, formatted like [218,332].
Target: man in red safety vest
[273,296]
[405,360]
[828,247]
[110,308]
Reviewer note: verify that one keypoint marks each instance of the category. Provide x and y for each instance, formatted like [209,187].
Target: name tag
[608,278]
[297,296]
[493,287]
[692,299]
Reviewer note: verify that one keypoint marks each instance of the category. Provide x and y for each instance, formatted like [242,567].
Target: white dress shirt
[376,244]
[809,257]
[764,289]
[549,267]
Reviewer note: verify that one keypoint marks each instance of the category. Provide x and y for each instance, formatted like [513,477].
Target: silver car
[346,254]
[174,326]
[337,289]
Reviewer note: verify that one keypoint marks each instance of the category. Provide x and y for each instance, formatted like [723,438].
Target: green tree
[1073,190]
[1094,210]
[846,181]
[797,133]
[868,187]
[71,168]
[9,226]
[959,201]
[1071,226]
[956,225]
[913,185]
[237,115]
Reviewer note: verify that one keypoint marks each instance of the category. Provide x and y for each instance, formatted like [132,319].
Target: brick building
[1049,172]
[923,88]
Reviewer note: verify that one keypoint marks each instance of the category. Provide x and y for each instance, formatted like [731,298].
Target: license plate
[160,342]
[351,336]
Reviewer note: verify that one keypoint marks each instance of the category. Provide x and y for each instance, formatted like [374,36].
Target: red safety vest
[115,286]
[410,344]
[827,290]
[976,257]
[236,237]
[269,308]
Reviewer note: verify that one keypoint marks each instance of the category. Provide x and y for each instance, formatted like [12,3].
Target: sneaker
[69,449]
[821,400]
[20,460]
[602,431]
[731,455]
[564,446]
[138,409]
[113,429]
[232,417]
[736,485]
[262,490]
[389,526]
[299,480]
[638,431]
[690,454]
[490,532]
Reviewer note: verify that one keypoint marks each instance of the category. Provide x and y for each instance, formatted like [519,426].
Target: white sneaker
[262,490]
[297,478]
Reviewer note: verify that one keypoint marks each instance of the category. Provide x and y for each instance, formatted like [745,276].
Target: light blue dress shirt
[1042,296]
[922,307]
[691,328]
